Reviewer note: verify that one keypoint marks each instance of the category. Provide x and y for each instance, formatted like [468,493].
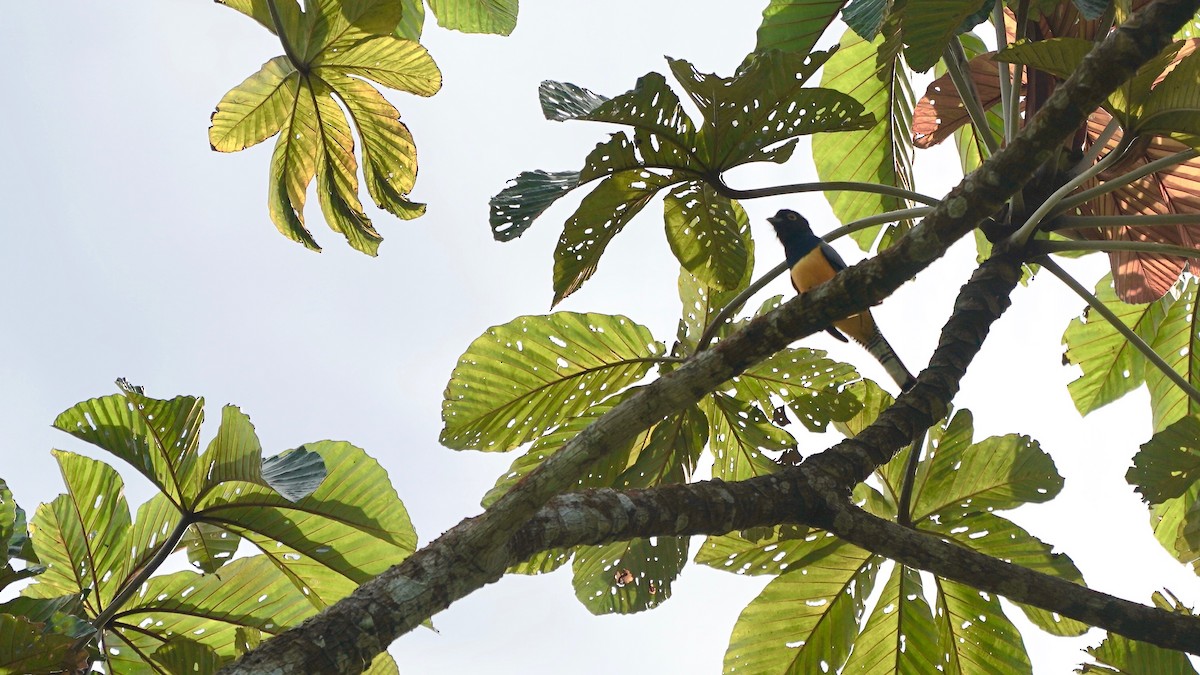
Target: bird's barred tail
[883,352]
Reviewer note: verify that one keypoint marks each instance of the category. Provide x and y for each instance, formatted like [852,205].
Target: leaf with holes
[701,304]
[806,617]
[156,518]
[769,550]
[900,636]
[972,629]
[1130,657]
[498,17]
[1111,366]
[209,609]
[709,234]
[997,537]
[526,197]
[601,215]
[1168,464]
[941,112]
[563,101]
[738,434]
[209,546]
[755,115]
[1177,340]
[628,576]
[181,655]
[523,378]
[330,44]
[880,154]
[82,535]
[795,25]
[159,438]
[355,508]
[960,478]
[1176,523]
[807,382]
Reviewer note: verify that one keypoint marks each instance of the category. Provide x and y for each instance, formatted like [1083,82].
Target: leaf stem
[1082,222]
[1125,179]
[1140,246]
[740,299]
[957,68]
[904,506]
[824,186]
[288,48]
[1005,71]
[135,582]
[1021,236]
[1134,339]
[1098,146]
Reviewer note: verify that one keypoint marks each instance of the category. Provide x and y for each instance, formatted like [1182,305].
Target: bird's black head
[788,222]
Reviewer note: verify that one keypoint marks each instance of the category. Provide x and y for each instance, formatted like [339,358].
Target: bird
[813,262]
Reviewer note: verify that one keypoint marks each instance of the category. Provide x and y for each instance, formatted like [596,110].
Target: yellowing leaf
[256,109]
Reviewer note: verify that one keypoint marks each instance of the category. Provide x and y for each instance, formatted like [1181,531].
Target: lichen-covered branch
[347,635]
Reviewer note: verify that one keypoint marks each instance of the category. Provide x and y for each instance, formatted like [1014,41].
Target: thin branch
[1133,338]
[956,66]
[1023,235]
[1085,222]
[823,186]
[734,305]
[1125,179]
[1112,245]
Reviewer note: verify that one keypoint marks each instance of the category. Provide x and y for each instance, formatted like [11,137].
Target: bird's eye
[791,216]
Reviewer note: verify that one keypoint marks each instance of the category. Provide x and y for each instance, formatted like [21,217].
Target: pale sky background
[133,250]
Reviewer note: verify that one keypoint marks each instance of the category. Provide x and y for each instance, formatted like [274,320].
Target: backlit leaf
[795,25]
[476,16]
[628,576]
[709,234]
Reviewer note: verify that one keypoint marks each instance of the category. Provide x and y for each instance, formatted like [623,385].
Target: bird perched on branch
[813,262]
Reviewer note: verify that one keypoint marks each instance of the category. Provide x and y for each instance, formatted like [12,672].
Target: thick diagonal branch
[347,635]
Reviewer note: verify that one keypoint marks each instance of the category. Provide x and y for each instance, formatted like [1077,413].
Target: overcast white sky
[132,250]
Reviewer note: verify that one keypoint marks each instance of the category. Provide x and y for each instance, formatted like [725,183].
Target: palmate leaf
[795,25]
[880,154]
[628,576]
[900,636]
[754,116]
[1130,657]
[806,617]
[767,550]
[669,452]
[209,546]
[701,303]
[81,536]
[331,41]
[807,382]
[1174,520]
[350,529]
[1112,367]
[941,112]
[522,378]
[158,438]
[865,17]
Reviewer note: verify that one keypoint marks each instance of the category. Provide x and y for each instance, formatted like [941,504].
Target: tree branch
[344,638]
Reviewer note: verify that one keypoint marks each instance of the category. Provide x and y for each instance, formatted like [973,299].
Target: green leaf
[805,618]
[522,378]
[390,61]
[25,648]
[181,655]
[338,22]
[764,104]
[256,109]
[8,520]
[289,11]
[498,17]
[209,546]
[389,155]
[156,518]
[1130,657]
[1112,367]
[669,453]
[563,101]
[1169,464]
[350,529]
[881,154]
[81,536]
[1171,108]
[900,636]
[767,550]
[628,576]
[974,634]
[525,198]
[738,433]
[865,17]
[412,20]
[929,26]
[709,234]
[337,175]
[811,385]
[1091,9]
[248,592]
[294,165]
[999,538]
[997,473]
[663,134]
[1177,340]
[1173,520]
[601,215]
[159,438]
[701,303]
[795,25]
